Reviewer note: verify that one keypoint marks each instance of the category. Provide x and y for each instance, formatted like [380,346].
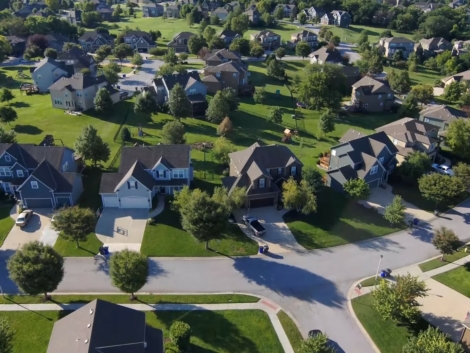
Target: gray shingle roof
[369,85]
[409,130]
[92,35]
[79,56]
[326,54]
[442,112]
[183,79]
[77,82]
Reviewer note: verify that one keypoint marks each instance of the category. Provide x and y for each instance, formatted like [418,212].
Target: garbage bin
[105,250]
[261,249]
[415,221]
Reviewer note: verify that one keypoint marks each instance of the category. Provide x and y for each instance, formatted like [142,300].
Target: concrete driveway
[38,228]
[122,228]
[143,78]
[278,236]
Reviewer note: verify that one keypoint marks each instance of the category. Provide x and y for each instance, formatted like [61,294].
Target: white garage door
[134,202]
[109,201]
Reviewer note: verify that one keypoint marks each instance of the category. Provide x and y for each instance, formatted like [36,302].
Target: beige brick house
[372,95]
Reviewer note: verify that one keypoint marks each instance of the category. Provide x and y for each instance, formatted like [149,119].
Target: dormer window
[262,183]
[7,158]
[381,159]
[34,185]
[19,173]
[132,184]
[279,170]
[293,171]
[374,169]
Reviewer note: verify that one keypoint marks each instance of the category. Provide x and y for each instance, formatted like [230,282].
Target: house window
[192,91]
[79,93]
[426,120]
[390,95]
[7,158]
[261,183]
[380,96]
[293,170]
[19,173]
[381,159]
[178,174]
[132,185]
[217,74]
[279,170]
[234,74]
[34,185]
[374,169]
[381,104]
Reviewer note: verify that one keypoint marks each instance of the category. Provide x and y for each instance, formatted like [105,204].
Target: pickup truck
[255,226]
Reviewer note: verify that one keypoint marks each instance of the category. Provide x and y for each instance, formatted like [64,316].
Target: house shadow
[27,129]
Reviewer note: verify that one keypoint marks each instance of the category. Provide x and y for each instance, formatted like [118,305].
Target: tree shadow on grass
[27,129]
[20,104]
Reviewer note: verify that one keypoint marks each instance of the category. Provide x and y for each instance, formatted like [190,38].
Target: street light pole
[378,267]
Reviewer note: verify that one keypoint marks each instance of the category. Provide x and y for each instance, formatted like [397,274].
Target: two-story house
[230,74]
[221,13]
[254,16]
[139,40]
[372,95]
[460,46]
[371,158]
[327,54]
[179,43]
[411,135]
[262,171]
[336,18]
[144,172]
[388,46]
[106,13]
[288,9]
[210,5]
[441,116]
[48,71]
[310,38]
[57,41]
[91,41]
[74,17]
[172,11]
[231,6]
[456,3]
[461,77]
[40,176]
[426,6]
[227,35]
[18,45]
[314,13]
[78,59]
[195,90]
[433,46]
[152,10]
[79,91]
[268,39]
[220,56]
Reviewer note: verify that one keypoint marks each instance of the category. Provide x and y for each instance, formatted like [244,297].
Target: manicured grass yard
[369,282]
[351,34]
[6,222]
[388,336]
[166,238]
[422,76]
[457,279]
[292,332]
[228,331]
[436,263]
[337,221]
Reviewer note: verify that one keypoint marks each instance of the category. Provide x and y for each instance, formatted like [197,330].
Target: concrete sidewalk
[263,304]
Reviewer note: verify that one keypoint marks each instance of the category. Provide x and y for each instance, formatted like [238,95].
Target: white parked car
[443,169]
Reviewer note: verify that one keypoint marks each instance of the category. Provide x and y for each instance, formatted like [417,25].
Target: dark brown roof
[327,54]
[369,85]
[442,112]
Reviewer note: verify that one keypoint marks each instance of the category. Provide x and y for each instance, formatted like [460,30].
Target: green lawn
[369,282]
[351,34]
[337,221]
[456,279]
[6,222]
[166,238]
[422,76]
[291,329]
[436,263]
[125,299]
[248,331]
[388,336]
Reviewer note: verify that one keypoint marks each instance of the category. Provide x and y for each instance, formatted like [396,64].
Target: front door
[162,190]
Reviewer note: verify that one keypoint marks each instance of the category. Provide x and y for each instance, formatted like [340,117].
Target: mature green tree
[326,124]
[275,115]
[173,133]
[170,57]
[400,82]
[397,56]
[128,271]
[276,69]
[231,97]
[397,300]
[183,57]
[260,95]
[458,137]
[445,241]
[461,170]
[240,24]
[432,341]
[111,76]
[257,50]
[180,335]
[102,53]
[74,223]
[395,212]
[280,53]
[424,94]
[303,49]
[279,13]
[302,17]
[222,148]
[178,102]
[7,136]
[241,46]
[137,60]
[371,62]
[91,147]
[298,196]
[122,51]
[224,128]
[6,95]
[103,101]
[209,33]
[414,166]
[36,268]
[316,344]
[7,115]
[440,188]
[6,336]
[335,40]
[363,37]
[386,34]
[215,20]
[50,53]
[409,107]
[196,43]
[453,91]
[357,189]
[313,177]
[145,104]
[237,198]
[218,108]
[168,69]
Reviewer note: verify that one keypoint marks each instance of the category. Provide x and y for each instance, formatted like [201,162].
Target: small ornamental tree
[440,188]
[6,95]
[6,336]
[298,196]
[313,177]
[260,95]
[178,102]
[7,115]
[357,189]
[303,49]
[432,341]
[128,271]
[74,223]
[225,127]
[173,133]
[91,147]
[103,101]
[326,123]
[180,335]
[395,212]
[125,134]
[7,136]
[137,60]
[316,344]
[275,115]
[280,53]
[122,51]
[445,241]
[222,147]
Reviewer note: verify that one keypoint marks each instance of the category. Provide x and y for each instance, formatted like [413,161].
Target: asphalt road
[312,286]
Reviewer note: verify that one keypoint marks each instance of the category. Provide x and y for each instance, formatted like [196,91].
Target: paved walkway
[268,307]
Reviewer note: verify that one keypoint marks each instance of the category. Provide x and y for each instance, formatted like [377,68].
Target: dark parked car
[255,226]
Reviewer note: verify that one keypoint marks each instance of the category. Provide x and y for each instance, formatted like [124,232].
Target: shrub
[180,334]
[170,347]
[157,51]
[125,134]
[320,155]
[318,161]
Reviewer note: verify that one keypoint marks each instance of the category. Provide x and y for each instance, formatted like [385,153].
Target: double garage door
[126,202]
[262,202]
[38,203]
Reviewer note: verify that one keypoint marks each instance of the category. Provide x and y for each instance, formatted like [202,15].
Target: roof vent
[86,341]
[91,311]
[89,325]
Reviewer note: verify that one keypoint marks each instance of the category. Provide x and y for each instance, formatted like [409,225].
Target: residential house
[231,6]
[79,91]
[410,135]
[262,171]
[426,6]
[106,13]
[268,39]
[210,5]
[227,35]
[433,46]
[304,36]
[73,17]
[41,176]
[314,13]
[101,326]
[372,95]
[460,46]
[463,76]
[152,10]
[220,56]
[18,45]
[91,41]
[371,158]
[326,54]
[441,116]
[29,9]
[101,5]
[78,59]
[144,172]
[139,40]
[57,41]
[231,74]
[48,71]
[179,43]
[254,16]
[388,46]
[336,18]
[191,82]
[456,3]
[221,13]
[352,73]
[172,11]
[288,9]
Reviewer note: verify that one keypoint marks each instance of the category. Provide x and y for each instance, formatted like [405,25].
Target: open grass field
[6,222]
[448,259]
[456,279]
[422,76]
[351,34]
[228,331]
